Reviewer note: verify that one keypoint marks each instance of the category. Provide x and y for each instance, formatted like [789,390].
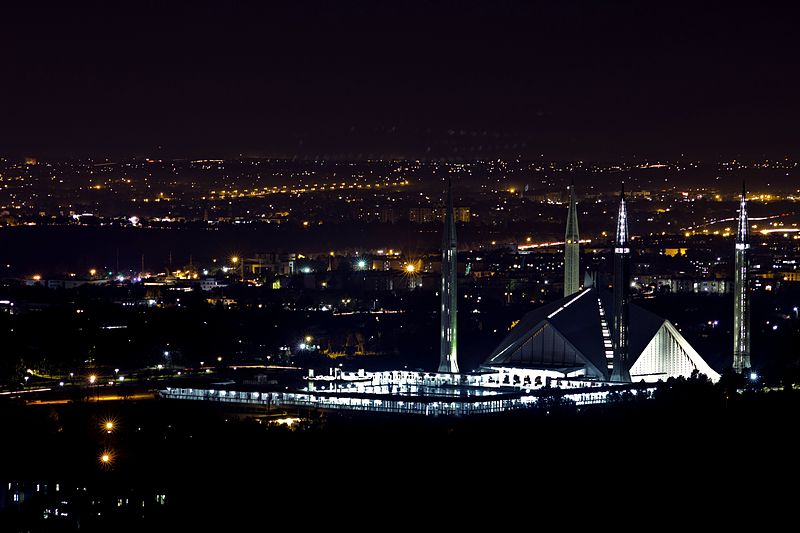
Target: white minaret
[741,294]
[448,361]
[622,266]
[572,248]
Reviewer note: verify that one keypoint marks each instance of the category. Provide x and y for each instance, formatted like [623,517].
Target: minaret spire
[572,247]
[741,294]
[448,361]
[622,255]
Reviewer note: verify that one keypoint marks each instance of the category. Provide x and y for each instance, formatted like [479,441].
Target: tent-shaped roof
[575,319]
[569,333]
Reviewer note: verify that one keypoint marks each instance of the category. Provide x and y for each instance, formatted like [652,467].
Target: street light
[235,260]
[93,381]
[106,459]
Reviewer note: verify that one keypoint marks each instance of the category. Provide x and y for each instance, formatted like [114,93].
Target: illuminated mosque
[583,346]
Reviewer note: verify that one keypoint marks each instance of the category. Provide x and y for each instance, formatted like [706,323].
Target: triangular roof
[667,354]
[568,333]
[574,319]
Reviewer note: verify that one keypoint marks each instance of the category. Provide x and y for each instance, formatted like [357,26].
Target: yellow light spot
[106,459]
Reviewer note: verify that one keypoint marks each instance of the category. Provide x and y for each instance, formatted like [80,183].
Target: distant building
[424,215]
[209,284]
[390,215]
[421,215]
[277,263]
[65,283]
[696,286]
[789,276]
[546,197]
[68,283]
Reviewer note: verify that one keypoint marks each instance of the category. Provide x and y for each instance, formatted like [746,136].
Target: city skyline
[261,260]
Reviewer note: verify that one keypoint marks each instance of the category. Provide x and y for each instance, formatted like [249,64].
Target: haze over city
[569,80]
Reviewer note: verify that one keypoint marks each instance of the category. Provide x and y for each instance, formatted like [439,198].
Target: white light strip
[607,343]
[554,313]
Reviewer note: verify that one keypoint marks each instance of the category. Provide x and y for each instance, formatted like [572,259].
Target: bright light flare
[109,424]
[106,459]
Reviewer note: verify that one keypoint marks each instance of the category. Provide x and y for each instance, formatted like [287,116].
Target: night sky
[399,79]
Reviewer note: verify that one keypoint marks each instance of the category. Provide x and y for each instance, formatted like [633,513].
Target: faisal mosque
[584,346]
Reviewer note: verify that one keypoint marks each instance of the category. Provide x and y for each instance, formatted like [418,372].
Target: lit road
[102,398]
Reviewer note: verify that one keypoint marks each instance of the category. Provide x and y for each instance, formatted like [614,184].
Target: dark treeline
[214,464]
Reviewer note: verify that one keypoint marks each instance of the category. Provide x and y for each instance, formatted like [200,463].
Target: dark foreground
[180,465]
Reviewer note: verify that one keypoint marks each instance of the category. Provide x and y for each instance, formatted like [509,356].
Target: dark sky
[593,80]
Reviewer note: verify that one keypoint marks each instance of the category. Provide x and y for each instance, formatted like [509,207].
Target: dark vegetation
[215,464]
